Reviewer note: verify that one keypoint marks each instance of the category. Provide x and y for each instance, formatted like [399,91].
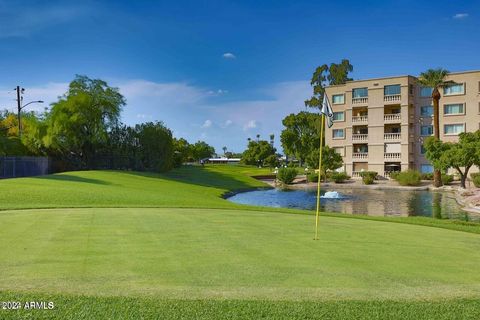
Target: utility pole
[19,108]
[20,92]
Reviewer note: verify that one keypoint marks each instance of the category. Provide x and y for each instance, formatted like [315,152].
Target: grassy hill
[131,245]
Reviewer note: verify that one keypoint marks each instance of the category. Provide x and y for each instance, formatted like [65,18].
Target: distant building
[380,124]
[222,160]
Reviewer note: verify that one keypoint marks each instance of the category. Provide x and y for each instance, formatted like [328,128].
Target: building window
[426,111]
[338,134]
[453,109]
[426,168]
[454,128]
[360,93]
[453,89]
[426,92]
[338,116]
[426,130]
[422,149]
[391,90]
[410,89]
[338,99]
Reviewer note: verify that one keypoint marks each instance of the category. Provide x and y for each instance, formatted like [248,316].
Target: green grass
[185,187]
[167,246]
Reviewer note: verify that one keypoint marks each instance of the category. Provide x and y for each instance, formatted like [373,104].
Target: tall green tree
[460,156]
[331,160]
[301,134]
[156,146]
[325,75]
[435,79]
[202,150]
[79,122]
[258,152]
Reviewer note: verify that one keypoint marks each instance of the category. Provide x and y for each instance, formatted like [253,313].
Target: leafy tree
[435,79]
[257,152]
[271,161]
[327,75]
[434,149]
[301,134]
[183,150]
[201,150]
[156,146]
[331,160]
[463,155]
[79,122]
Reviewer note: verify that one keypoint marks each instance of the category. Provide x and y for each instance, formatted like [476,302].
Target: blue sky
[223,71]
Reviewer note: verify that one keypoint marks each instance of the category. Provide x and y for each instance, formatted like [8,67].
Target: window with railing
[391,90]
[338,116]
[338,99]
[454,89]
[457,108]
[454,129]
[426,111]
[426,130]
[360,93]
[426,91]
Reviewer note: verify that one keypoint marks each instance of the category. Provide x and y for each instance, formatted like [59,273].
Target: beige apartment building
[380,124]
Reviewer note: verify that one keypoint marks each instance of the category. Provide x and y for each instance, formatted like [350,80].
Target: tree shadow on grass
[201,176]
[72,178]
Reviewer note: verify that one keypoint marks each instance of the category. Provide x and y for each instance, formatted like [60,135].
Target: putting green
[234,254]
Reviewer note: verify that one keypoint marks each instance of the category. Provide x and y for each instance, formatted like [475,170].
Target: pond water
[362,201]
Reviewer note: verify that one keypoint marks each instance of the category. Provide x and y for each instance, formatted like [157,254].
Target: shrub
[447,178]
[409,178]
[427,176]
[286,175]
[368,176]
[340,177]
[476,179]
[312,177]
[394,175]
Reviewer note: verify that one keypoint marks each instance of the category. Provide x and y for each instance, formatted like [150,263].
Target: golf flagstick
[319,176]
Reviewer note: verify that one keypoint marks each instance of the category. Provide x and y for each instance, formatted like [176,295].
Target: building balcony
[362,100]
[392,98]
[392,155]
[359,137]
[360,155]
[392,136]
[356,174]
[359,119]
[394,117]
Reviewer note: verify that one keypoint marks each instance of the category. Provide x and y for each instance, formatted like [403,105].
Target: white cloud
[48,93]
[227,123]
[228,55]
[20,19]
[252,124]
[143,116]
[207,124]
[460,16]
[218,92]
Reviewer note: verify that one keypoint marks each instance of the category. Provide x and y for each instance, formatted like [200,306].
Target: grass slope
[185,187]
[188,260]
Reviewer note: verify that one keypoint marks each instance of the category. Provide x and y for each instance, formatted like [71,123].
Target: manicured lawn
[177,250]
[185,187]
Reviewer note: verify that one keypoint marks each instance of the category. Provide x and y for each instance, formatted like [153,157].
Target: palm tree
[272,138]
[435,79]
[258,137]
[224,150]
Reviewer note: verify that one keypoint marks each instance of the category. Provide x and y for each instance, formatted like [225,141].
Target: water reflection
[363,201]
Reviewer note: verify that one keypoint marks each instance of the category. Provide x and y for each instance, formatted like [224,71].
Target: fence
[14,167]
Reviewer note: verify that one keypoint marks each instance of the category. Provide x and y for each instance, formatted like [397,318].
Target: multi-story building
[380,124]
